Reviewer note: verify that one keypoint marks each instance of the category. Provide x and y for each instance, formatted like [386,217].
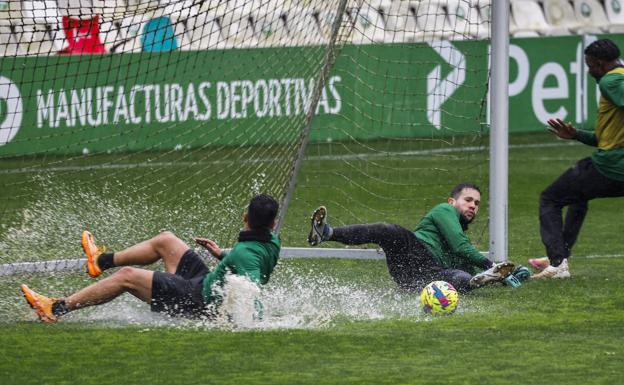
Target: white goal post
[499,131]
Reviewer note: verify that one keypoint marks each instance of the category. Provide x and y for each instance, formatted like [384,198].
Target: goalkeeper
[187,287]
[437,250]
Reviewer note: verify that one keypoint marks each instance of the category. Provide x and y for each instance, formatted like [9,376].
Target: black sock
[105,261]
[59,308]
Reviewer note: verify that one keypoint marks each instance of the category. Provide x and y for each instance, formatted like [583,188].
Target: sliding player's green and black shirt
[254,256]
[443,234]
[609,131]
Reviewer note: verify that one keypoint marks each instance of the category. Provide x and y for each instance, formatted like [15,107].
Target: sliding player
[437,250]
[186,287]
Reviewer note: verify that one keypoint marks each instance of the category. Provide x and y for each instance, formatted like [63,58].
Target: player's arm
[565,130]
[448,225]
[212,247]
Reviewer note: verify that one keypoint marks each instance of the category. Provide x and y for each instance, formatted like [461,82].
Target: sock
[59,308]
[105,261]
[328,232]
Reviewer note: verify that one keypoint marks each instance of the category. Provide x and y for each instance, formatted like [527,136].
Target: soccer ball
[439,298]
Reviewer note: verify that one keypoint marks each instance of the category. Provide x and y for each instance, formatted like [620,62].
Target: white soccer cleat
[496,273]
[554,272]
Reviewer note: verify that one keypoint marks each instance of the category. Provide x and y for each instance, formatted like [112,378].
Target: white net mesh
[126,118]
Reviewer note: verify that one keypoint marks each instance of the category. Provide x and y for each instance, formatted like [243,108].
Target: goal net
[412,120]
[131,117]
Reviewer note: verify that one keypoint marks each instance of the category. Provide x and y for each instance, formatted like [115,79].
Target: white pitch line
[432,151]
[128,166]
[595,256]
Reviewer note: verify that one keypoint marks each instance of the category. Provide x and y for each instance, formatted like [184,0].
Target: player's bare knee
[165,237]
[126,275]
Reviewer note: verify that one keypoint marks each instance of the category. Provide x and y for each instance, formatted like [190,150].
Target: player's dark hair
[456,191]
[261,212]
[603,49]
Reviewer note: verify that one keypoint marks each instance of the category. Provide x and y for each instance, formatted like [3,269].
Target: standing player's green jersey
[254,256]
[609,130]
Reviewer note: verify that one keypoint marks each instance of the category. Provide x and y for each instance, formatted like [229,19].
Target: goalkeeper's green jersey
[251,258]
[609,130]
[444,236]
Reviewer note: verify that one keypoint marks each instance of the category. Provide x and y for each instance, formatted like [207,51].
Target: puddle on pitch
[294,301]
[295,298]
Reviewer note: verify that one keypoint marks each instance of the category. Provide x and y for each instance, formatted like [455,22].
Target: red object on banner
[83,36]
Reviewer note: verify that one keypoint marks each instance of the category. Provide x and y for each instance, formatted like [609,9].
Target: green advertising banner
[408,90]
[157,101]
[548,79]
[154,101]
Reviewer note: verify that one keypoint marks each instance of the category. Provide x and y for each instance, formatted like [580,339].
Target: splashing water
[291,301]
[50,226]
[242,306]
[294,301]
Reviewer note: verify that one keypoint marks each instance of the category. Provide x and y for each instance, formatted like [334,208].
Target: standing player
[437,250]
[598,176]
[186,287]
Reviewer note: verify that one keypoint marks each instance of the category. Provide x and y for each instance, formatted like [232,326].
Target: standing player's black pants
[409,261]
[574,188]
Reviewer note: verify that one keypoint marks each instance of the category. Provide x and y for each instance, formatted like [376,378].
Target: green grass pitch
[349,324]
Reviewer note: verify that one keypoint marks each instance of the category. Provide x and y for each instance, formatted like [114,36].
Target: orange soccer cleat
[93,252]
[41,304]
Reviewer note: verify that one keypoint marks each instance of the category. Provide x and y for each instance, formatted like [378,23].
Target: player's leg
[409,261]
[388,236]
[552,201]
[458,278]
[592,185]
[138,282]
[165,246]
[575,215]
[564,191]
[182,289]
[574,188]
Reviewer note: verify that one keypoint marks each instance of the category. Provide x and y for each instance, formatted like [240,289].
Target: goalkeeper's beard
[465,221]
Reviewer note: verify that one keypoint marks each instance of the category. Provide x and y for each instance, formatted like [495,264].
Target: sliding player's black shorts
[181,293]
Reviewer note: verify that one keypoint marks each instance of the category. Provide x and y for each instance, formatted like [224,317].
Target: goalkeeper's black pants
[410,263]
[574,188]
